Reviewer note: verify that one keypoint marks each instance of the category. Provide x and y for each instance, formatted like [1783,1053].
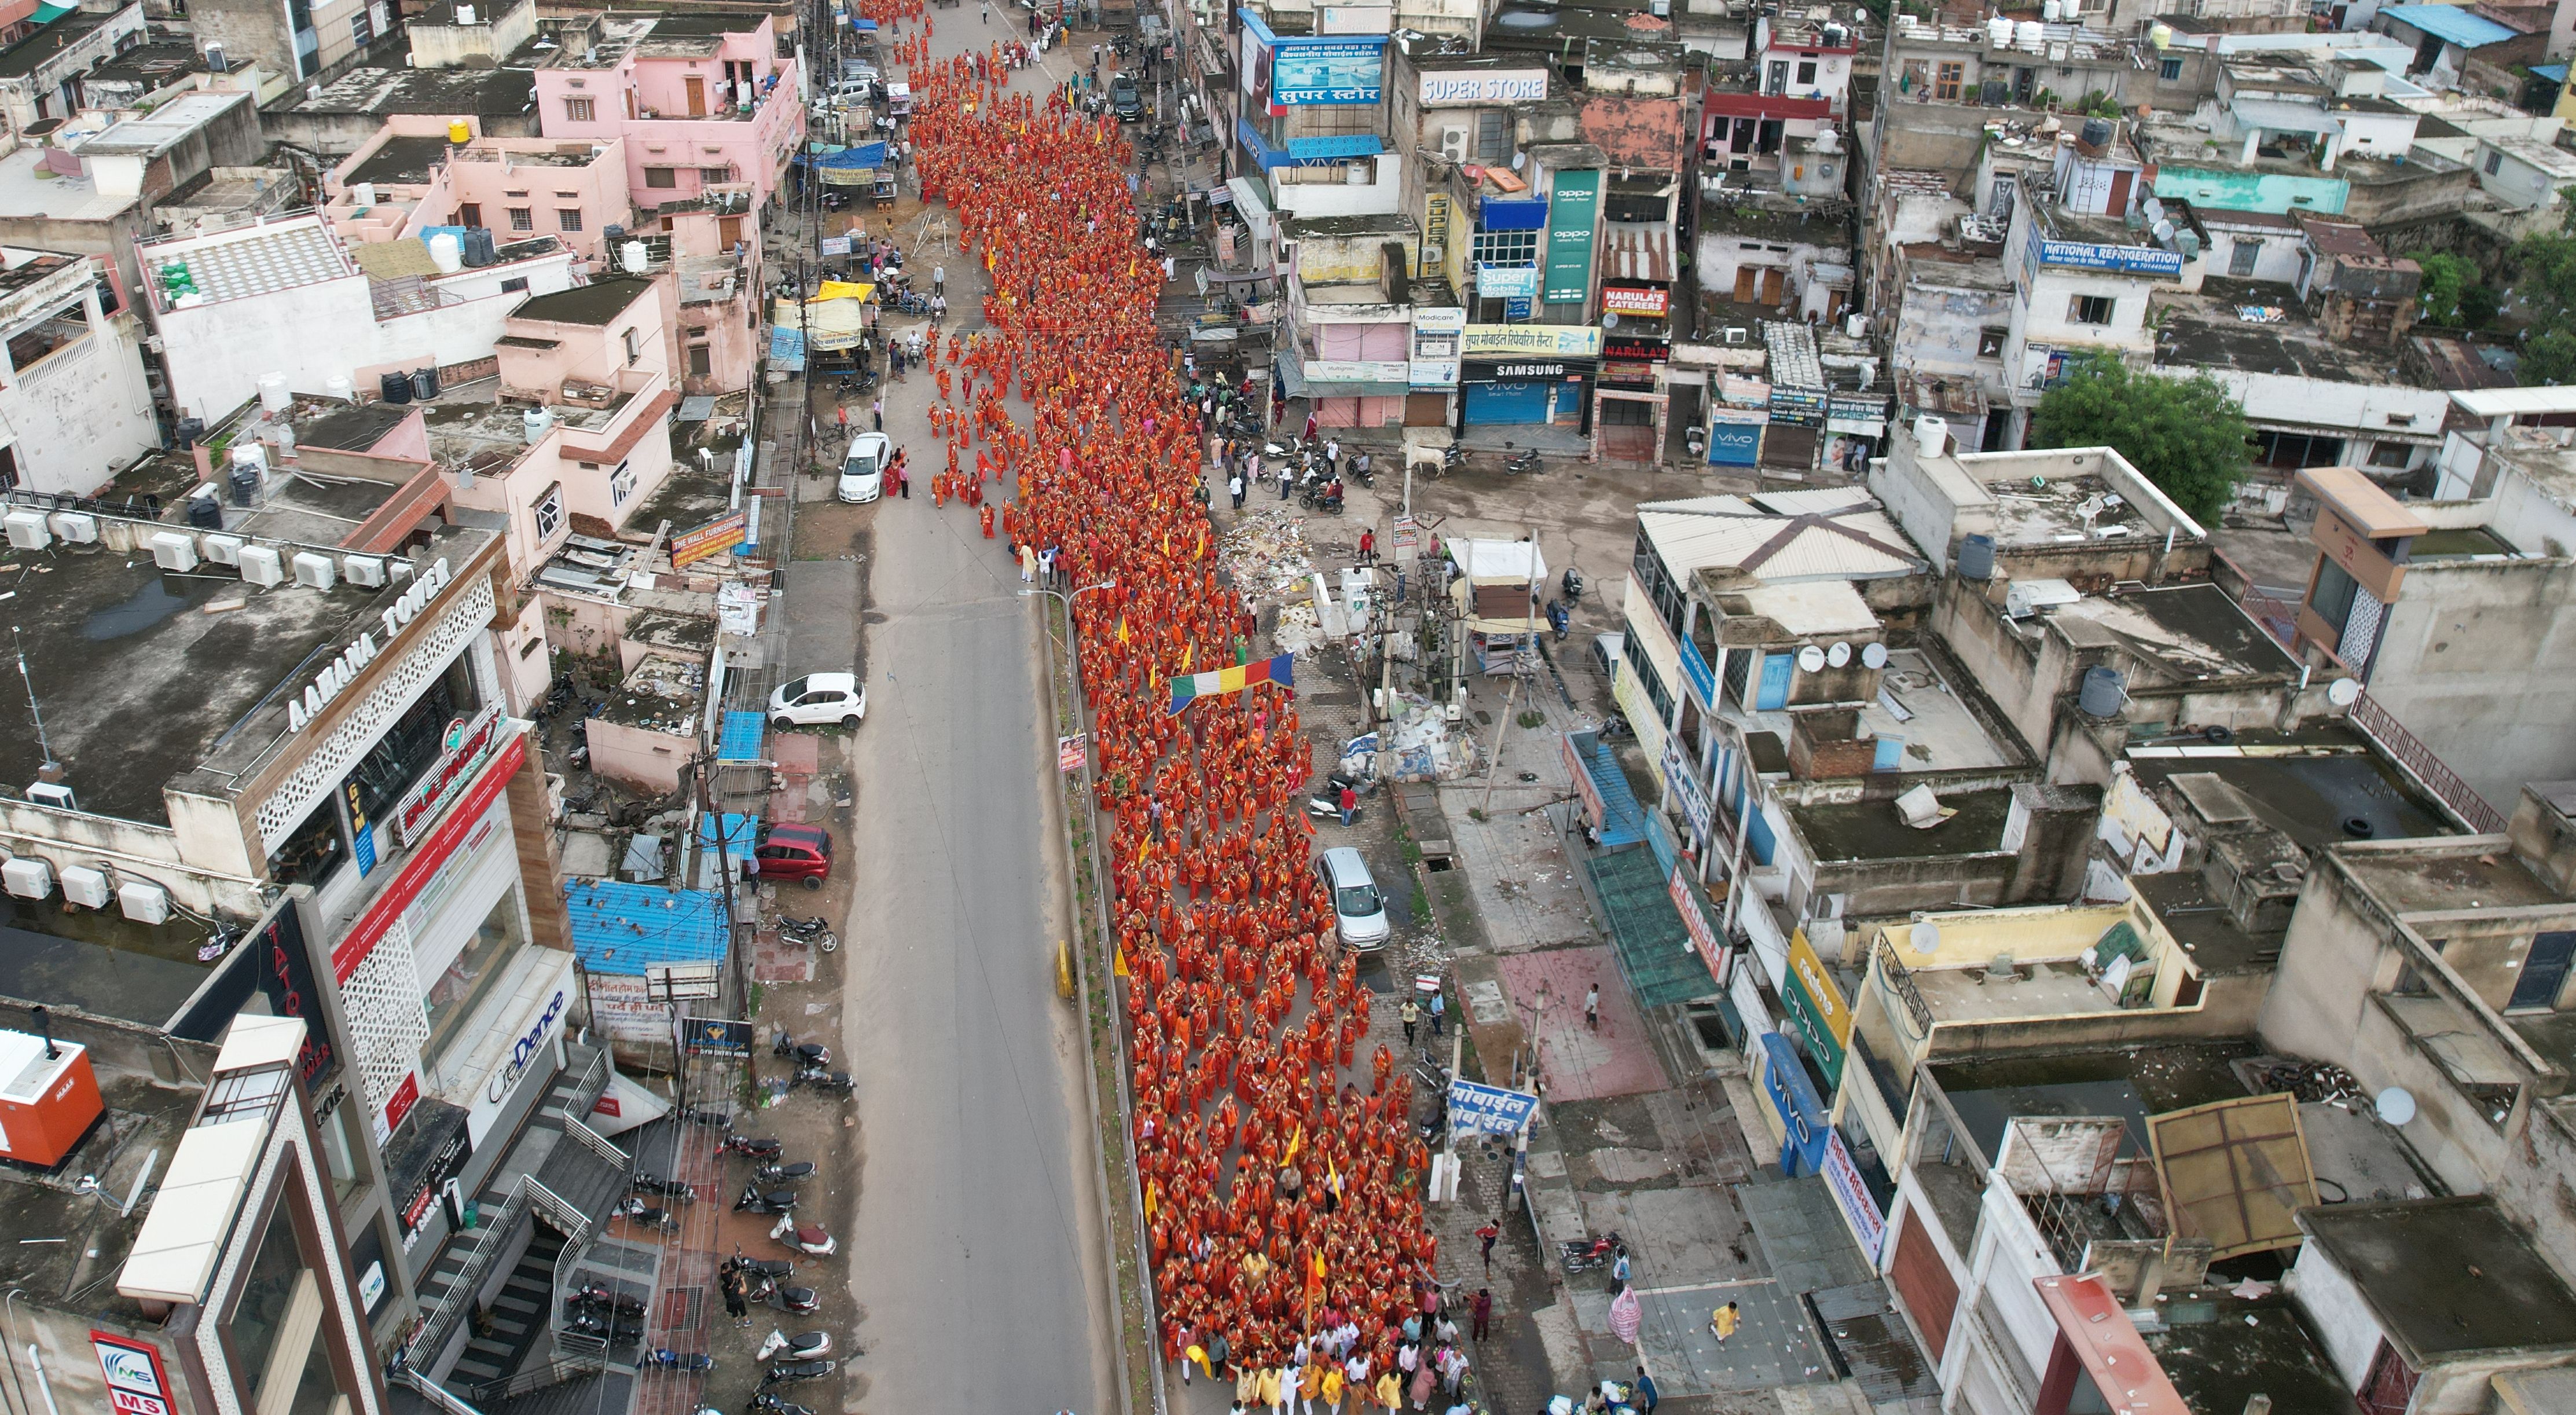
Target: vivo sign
[1504,86]
[2133,260]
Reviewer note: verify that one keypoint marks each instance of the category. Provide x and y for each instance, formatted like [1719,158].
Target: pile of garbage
[1297,630]
[2311,1081]
[1265,556]
[1422,744]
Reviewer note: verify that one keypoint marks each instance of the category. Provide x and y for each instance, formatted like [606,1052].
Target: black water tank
[424,384]
[190,431]
[1977,558]
[478,247]
[2096,132]
[395,387]
[245,484]
[206,513]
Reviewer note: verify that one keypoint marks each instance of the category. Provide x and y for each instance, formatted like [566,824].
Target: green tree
[2187,435]
[2544,292]
[2446,279]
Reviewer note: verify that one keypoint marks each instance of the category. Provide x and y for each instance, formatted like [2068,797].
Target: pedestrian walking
[1619,1270]
[939,279]
[1219,1351]
[1486,1235]
[877,411]
[1592,1008]
[1368,547]
[1310,427]
[841,415]
[1644,1394]
[1350,803]
[1234,488]
[1722,1322]
[1439,1014]
[1198,1354]
[1330,1390]
[735,1306]
[1409,1014]
[1028,563]
[1483,1310]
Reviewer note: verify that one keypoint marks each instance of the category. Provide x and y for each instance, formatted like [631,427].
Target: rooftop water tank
[535,422]
[446,252]
[1977,558]
[2052,12]
[2160,35]
[458,132]
[1999,32]
[478,247]
[2030,35]
[2095,133]
[341,387]
[424,384]
[395,388]
[2102,692]
[364,194]
[273,396]
[632,257]
[1931,436]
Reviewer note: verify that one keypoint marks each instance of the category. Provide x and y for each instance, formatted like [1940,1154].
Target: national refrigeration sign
[2121,260]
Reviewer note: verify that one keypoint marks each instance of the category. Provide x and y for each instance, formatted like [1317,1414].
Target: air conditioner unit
[174,551]
[1735,336]
[54,794]
[85,887]
[259,566]
[144,902]
[320,572]
[27,877]
[1453,143]
[363,571]
[27,530]
[76,527]
[222,550]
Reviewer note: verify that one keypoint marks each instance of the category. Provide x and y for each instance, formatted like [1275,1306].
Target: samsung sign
[2127,260]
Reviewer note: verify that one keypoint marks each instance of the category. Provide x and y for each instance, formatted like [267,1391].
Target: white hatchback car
[819,699]
[1359,911]
[863,470]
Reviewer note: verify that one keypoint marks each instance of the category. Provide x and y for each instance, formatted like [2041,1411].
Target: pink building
[701,101]
[410,177]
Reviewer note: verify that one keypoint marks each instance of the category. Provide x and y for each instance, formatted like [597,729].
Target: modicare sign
[342,670]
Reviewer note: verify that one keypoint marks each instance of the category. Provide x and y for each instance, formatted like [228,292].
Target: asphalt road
[976,1253]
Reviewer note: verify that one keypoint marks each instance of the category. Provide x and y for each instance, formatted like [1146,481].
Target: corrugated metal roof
[1636,250]
[2454,23]
[623,928]
[1858,543]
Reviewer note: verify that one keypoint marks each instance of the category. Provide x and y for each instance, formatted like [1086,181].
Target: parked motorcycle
[837,1082]
[796,1173]
[792,1372]
[756,1200]
[1518,462]
[693,1362]
[645,1183]
[803,1346]
[764,1148]
[796,1300]
[601,1328]
[811,1240]
[596,1300]
[1326,803]
[1571,585]
[806,1053]
[758,1267]
[764,1403]
[636,1211]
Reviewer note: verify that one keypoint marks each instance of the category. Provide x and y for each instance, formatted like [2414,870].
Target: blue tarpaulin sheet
[866,154]
[740,741]
[739,832]
[624,928]
[786,348]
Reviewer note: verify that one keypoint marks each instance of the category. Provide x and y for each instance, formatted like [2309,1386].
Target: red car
[793,852]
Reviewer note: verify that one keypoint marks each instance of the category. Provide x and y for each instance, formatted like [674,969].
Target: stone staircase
[519,1317]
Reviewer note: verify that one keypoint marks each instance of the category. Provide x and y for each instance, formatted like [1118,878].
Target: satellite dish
[1838,655]
[2344,692]
[1811,658]
[1925,936]
[2396,1105]
[1609,319]
[1873,655]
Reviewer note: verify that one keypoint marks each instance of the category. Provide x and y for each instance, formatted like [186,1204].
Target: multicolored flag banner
[1279,669]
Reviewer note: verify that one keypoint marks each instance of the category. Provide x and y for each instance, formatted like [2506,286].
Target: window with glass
[661,178]
[1513,248]
[1651,683]
[569,220]
[523,218]
[583,110]
[549,513]
[469,978]
[280,1345]
[413,744]
[315,849]
[1945,81]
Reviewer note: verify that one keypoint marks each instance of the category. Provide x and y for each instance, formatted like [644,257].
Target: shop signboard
[1070,753]
[1860,1207]
[713,538]
[1641,351]
[136,1384]
[449,1162]
[1816,1007]
[417,872]
[1488,88]
[1357,370]
[1640,301]
[1327,72]
[2127,260]
[286,980]
[1507,282]
[1573,212]
[1683,779]
[1691,903]
[1857,414]
[1489,1110]
[1802,1115]
[1594,809]
[468,744]
[1799,407]
[1433,373]
[718,1036]
[531,1050]
[1531,341]
[1734,437]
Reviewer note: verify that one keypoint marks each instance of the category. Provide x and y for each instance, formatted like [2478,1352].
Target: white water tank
[2052,12]
[535,423]
[2030,35]
[1931,436]
[447,252]
[341,387]
[252,458]
[1999,32]
[632,257]
[1856,326]
[273,395]
[363,195]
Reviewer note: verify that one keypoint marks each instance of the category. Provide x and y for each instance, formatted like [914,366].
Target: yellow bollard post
[1064,969]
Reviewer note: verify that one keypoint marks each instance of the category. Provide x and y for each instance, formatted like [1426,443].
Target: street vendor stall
[1499,616]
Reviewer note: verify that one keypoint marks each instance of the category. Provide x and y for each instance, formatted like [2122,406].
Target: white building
[74,406]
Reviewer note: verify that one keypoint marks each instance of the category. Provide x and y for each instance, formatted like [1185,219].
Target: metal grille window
[1493,136]
[569,220]
[362,28]
[718,175]
[1506,247]
[582,110]
[523,219]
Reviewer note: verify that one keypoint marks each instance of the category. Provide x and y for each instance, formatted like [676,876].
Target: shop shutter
[1924,1281]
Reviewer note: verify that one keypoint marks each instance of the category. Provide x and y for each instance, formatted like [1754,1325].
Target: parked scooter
[764,1148]
[798,1301]
[636,1211]
[794,1371]
[803,1346]
[838,1082]
[756,1200]
[1326,803]
[693,1362]
[758,1267]
[764,1403]
[796,1173]
[667,1188]
[1571,584]
[810,1240]
[1518,462]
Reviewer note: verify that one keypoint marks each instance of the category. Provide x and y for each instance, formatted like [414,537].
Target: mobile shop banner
[1489,1109]
[1329,72]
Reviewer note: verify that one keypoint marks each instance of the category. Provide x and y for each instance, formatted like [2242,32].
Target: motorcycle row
[609,1314]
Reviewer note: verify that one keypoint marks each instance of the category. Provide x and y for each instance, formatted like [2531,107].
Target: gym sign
[343,669]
